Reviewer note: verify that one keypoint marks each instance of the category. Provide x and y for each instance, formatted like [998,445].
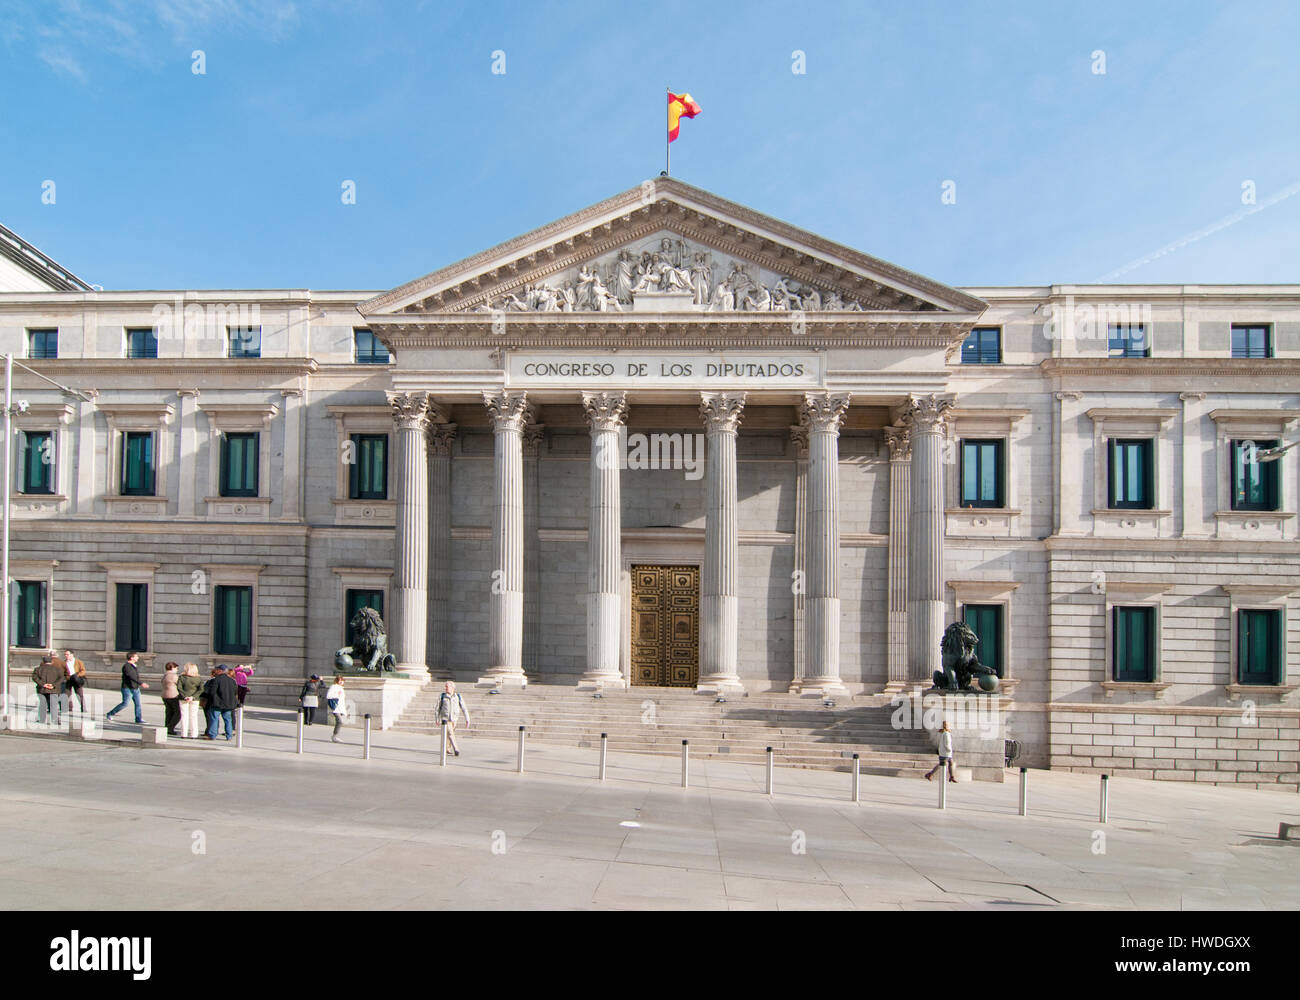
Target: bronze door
[666,625]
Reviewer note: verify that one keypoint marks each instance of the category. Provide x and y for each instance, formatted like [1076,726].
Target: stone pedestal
[978,725]
[719,584]
[383,698]
[508,412]
[606,414]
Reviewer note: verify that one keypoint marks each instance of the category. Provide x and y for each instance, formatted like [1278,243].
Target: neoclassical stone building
[669,441]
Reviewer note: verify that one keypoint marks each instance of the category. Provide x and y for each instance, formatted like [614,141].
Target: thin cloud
[62,61]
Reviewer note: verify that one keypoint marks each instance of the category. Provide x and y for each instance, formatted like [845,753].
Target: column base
[503,677]
[720,684]
[408,671]
[602,682]
[819,687]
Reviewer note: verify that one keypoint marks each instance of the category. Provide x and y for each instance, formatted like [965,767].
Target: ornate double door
[666,625]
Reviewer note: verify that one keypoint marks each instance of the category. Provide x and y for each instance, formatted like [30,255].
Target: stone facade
[817,579]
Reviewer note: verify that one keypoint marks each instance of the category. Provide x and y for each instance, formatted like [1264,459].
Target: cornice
[156,367]
[1250,368]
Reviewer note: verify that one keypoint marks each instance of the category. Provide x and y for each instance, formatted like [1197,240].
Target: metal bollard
[1024,791]
[604,753]
[686,763]
[239,727]
[520,768]
[301,711]
[365,753]
[1104,811]
[943,789]
[857,778]
[769,770]
[442,762]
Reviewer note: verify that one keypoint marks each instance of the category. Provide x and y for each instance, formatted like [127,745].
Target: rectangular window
[985,620]
[132,617]
[234,621]
[137,464]
[1251,342]
[1129,340]
[1259,647]
[42,345]
[141,344]
[369,472]
[355,601]
[239,462]
[38,462]
[1135,644]
[245,342]
[27,614]
[1254,483]
[981,474]
[370,351]
[983,346]
[1131,485]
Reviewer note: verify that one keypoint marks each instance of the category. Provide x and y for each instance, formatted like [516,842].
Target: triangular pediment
[669,247]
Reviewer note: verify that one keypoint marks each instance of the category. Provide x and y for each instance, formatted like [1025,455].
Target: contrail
[1200,234]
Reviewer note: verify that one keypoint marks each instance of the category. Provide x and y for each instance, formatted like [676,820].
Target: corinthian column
[719,600]
[799,438]
[823,413]
[442,437]
[900,511]
[509,413]
[606,414]
[926,418]
[408,628]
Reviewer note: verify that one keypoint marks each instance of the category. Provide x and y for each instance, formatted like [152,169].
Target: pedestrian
[223,699]
[171,696]
[48,678]
[338,704]
[945,754]
[131,687]
[75,682]
[190,688]
[310,698]
[451,705]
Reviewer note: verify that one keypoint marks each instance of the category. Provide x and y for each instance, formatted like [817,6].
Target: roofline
[31,260]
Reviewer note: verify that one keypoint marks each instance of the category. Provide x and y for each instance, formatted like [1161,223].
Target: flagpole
[668,156]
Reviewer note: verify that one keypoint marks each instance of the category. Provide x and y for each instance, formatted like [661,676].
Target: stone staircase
[802,732]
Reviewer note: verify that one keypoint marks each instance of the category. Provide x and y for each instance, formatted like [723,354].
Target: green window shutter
[38,462]
[132,628]
[1259,646]
[239,465]
[137,464]
[234,620]
[27,614]
[985,620]
[1134,644]
[368,476]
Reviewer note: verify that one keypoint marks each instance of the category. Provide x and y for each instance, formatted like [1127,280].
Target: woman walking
[190,687]
[309,696]
[171,696]
[338,704]
[945,754]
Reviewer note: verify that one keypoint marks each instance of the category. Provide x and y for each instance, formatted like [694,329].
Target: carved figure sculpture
[960,664]
[369,649]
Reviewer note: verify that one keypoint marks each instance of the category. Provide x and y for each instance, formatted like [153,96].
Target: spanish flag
[679,107]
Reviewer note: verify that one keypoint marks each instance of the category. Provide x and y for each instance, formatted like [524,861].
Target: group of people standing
[57,684]
[184,693]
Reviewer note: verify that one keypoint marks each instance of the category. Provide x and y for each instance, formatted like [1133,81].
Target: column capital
[606,411]
[822,411]
[899,439]
[410,410]
[441,437]
[507,410]
[799,438]
[534,434]
[927,414]
[721,411]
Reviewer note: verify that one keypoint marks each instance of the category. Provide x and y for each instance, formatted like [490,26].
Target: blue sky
[232,179]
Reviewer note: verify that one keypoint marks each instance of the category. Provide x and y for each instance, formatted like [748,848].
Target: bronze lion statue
[960,664]
[369,651]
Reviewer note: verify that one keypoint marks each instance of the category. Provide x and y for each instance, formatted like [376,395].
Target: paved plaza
[116,825]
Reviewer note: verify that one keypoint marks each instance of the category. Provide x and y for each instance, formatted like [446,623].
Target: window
[355,601]
[981,474]
[132,617]
[1130,474]
[239,460]
[245,342]
[137,464]
[985,620]
[1129,340]
[369,472]
[1259,659]
[1254,483]
[369,350]
[43,344]
[1251,342]
[141,344]
[38,462]
[234,621]
[983,346]
[1134,636]
[27,614]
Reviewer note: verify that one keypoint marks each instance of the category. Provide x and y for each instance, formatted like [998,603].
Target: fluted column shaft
[900,513]
[799,438]
[441,439]
[824,413]
[506,588]
[606,413]
[719,583]
[926,418]
[408,628]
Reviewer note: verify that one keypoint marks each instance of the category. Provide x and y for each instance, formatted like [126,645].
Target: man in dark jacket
[131,687]
[48,678]
[223,699]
